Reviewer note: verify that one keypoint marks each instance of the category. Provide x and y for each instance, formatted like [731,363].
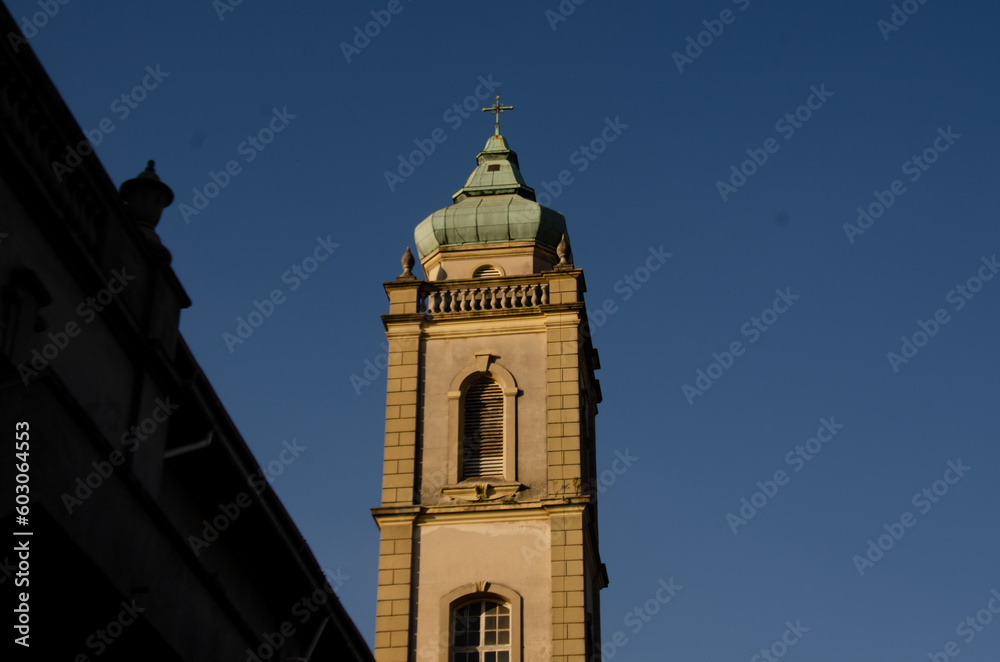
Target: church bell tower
[488,521]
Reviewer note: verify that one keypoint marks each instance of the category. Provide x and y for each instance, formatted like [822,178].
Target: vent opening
[486,271]
[482,449]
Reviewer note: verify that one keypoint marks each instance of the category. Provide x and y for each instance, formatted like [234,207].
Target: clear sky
[824,107]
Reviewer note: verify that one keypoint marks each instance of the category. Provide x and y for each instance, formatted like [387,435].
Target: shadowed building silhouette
[154,533]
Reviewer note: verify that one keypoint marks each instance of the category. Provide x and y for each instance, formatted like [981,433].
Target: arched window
[481,621]
[481,632]
[482,446]
[482,432]
[487,271]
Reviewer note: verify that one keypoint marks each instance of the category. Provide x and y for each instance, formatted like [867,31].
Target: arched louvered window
[486,271]
[481,632]
[482,447]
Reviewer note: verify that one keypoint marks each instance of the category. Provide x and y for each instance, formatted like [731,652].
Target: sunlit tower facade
[489,546]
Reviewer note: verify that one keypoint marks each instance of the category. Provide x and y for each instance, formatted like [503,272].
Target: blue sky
[879,97]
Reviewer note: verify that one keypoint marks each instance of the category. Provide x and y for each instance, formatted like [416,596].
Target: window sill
[482,489]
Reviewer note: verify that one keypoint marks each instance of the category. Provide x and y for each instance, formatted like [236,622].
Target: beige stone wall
[451,350]
[568,594]
[514,259]
[401,416]
[562,375]
[435,548]
[458,554]
[392,620]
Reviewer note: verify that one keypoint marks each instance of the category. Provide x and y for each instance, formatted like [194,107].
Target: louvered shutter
[482,450]
[486,271]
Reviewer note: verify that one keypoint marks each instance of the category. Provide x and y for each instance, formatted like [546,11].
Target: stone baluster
[497,297]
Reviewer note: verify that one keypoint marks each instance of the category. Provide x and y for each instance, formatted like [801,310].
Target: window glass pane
[470,632]
[478,626]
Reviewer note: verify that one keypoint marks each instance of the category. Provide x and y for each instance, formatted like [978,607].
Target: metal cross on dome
[496,109]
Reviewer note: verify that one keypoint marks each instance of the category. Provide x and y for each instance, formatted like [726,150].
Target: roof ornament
[496,109]
[407,261]
[145,197]
[562,250]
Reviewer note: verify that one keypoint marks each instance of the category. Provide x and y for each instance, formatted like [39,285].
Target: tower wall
[497,511]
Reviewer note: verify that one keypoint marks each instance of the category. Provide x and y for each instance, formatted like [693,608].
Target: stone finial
[407,261]
[562,250]
[145,197]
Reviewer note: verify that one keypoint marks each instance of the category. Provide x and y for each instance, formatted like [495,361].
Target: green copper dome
[495,205]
